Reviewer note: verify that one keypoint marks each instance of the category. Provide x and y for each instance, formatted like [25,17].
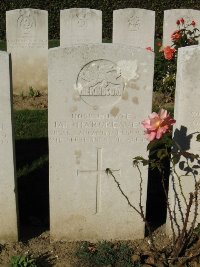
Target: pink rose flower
[168,52]
[157,124]
[182,20]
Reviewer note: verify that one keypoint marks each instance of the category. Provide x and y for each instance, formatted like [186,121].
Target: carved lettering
[134,23]
[97,128]
[26,22]
[100,83]
[82,20]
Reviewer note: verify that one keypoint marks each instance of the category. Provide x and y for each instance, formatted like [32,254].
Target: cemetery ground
[30,125]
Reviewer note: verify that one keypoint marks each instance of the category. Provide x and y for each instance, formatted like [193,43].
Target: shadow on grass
[33,186]
[30,150]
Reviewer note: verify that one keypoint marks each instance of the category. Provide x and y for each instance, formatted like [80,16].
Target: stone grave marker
[134,26]
[187,115]
[98,96]
[8,210]
[27,41]
[170,18]
[80,25]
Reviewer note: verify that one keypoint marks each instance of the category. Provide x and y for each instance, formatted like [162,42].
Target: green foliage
[164,76]
[33,93]
[22,261]
[198,138]
[3,46]
[188,37]
[54,43]
[105,253]
[165,68]
[157,144]
[139,159]
[30,124]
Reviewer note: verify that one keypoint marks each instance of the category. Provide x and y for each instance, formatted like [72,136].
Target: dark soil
[64,253]
[27,102]
[41,102]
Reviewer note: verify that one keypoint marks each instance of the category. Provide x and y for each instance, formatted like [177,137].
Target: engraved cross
[98,172]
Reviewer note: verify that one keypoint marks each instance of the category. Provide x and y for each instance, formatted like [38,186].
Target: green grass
[3,46]
[30,124]
[54,43]
[107,41]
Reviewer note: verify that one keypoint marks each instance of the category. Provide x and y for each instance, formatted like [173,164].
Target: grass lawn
[30,124]
[2,45]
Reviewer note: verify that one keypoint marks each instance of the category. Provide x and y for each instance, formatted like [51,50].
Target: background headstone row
[27,36]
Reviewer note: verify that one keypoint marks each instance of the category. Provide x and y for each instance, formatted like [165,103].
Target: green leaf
[162,153]
[154,144]
[198,138]
[175,158]
[140,159]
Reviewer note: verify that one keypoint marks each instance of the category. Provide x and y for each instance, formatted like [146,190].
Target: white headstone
[187,115]
[134,26]
[98,95]
[27,41]
[80,25]
[8,213]
[170,18]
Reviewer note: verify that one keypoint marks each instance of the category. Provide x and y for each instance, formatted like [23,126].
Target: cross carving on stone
[98,173]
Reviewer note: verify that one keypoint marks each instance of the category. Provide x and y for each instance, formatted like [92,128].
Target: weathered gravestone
[134,26]
[98,95]
[187,115]
[170,18]
[80,25]
[8,213]
[27,41]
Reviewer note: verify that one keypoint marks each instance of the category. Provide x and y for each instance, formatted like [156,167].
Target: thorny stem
[179,205]
[180,185]
[139,211]
[185,236]
[187,259]
[190,232]
[180,240]
[108,171]
[141,181]
[168,206]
